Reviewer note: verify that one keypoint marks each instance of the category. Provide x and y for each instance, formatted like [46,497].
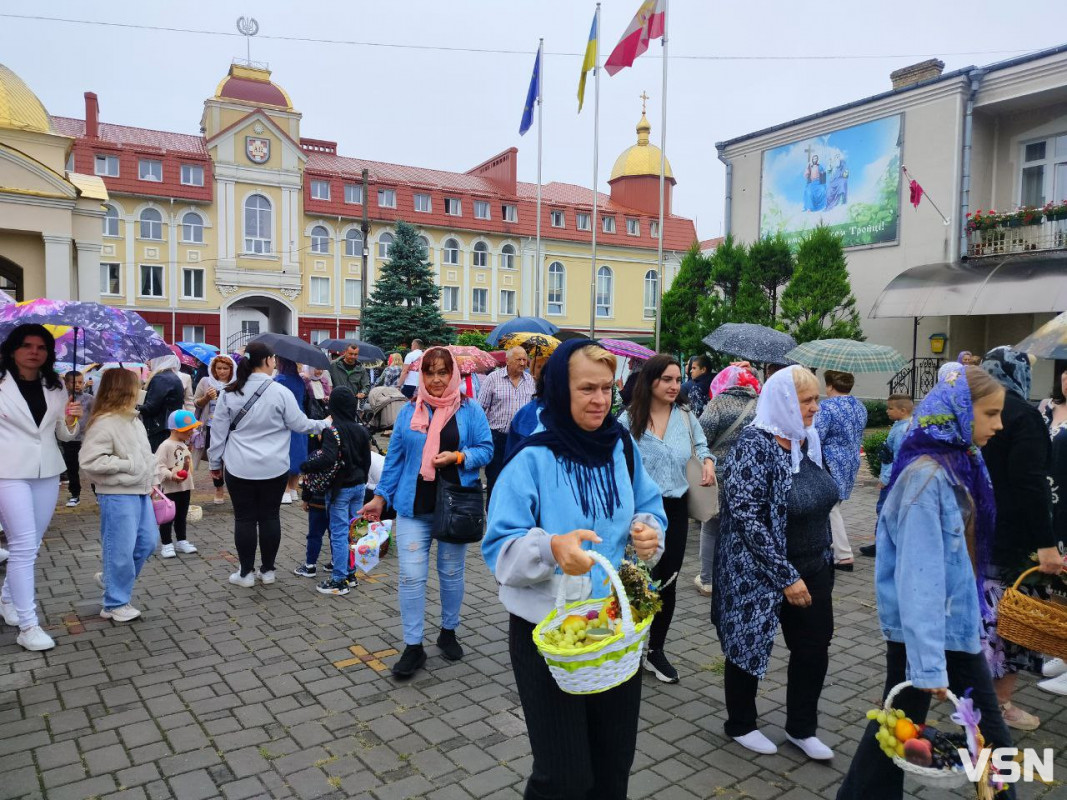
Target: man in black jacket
[165,394]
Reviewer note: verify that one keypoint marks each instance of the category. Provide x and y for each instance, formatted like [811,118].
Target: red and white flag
[649,23]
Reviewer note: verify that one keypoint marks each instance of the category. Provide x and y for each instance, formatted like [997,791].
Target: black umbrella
[294,349]
[367,352]
[564,336]
[751,342]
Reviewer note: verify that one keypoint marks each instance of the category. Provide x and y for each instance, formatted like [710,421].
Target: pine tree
[403,305]
[818,303]
[717,304]
[771,263]
[680,328]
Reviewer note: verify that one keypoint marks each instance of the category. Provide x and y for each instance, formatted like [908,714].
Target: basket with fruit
[594,645]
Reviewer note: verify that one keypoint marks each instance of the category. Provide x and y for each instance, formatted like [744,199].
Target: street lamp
[365,229]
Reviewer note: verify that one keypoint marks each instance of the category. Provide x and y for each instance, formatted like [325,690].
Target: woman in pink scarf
[440,435]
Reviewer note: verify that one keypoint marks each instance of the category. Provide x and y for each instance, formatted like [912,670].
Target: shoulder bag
[703,501]
[459,515]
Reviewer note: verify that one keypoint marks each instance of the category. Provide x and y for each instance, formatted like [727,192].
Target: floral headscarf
[734,375]
[1011,368]
[947,367]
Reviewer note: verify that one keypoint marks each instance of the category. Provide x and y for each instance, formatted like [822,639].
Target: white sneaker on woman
[813,748]
[1057,685]
[267,577]
[124,613]
[757,743]
[36,639]
[11,616]
[1054,667]
[287,499]
[245,581]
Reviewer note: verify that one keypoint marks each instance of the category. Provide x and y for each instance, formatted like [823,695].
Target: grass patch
[267,754]
[717,666]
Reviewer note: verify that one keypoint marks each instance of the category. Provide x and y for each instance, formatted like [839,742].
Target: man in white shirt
[409,378]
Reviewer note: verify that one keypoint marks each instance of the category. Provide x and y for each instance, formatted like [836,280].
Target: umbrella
[848,355]
[469,359]
[199,350]
[752,342]
[520,325]
[566,336]
[367,352]
[621,347]
[293,348]
[538,345]
[1048,341]
[186,360]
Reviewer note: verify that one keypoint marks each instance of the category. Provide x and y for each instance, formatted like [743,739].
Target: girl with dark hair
[250,433]
[35,410]
[289,377]
[667,434]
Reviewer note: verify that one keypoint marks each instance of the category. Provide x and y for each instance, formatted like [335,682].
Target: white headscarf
[162,364]
[778,412]
[214,382]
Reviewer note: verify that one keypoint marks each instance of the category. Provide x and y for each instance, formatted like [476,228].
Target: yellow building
[249,227]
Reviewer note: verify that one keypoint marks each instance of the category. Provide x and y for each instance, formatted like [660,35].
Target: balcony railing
[1015,237]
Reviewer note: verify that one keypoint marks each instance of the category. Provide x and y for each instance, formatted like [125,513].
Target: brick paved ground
[220,692]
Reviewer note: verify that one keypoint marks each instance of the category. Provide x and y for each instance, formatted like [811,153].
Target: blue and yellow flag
[532,95]
[589,62]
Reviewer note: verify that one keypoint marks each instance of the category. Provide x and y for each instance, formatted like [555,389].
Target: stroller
[382,408]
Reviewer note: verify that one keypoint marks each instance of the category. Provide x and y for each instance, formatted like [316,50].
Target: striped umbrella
[847,355]
[621,347]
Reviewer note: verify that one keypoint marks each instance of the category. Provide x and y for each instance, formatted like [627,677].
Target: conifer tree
[771,264]
[818,303]
[680,327]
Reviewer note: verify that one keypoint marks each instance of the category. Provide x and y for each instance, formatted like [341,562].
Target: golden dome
[641,159]
[19,107]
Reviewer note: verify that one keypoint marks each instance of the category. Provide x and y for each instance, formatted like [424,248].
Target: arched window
[258,224]
[320,240]
[507,257]
[354,243]
[385,244]
[426,243]
[193,228]
[605,280]
[151,224]
[651,293]
[451,251]
[481,254]
[557,287]
[111,221]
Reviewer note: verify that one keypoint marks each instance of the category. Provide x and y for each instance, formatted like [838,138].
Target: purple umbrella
[621,347]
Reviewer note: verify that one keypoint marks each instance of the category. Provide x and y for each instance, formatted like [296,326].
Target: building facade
[249,227]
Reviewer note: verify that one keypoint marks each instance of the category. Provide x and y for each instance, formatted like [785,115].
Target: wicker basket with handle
[1036,624]
[943,778]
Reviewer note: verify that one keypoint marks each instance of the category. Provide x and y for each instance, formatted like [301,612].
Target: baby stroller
[382,408]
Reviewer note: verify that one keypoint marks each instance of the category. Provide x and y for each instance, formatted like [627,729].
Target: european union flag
[531,96]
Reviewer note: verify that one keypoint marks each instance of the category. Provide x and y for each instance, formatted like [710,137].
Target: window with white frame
[1044,172]
[192,175]
[258,224]
[651,293]
[320,239]
[608,224]
[107,166]
[111,221]
[557,288]
[151,224]
[320,190]
[451,252]
[450,298]
[507,257]
[507,301]
[653,229]
[385,244]
[633,227]
[353,193]
[479,301]
[110,279]
[422,203]
[425,243]
[481,209]
[320,291]
[353,293]
[387,198]
[192,283]
[151,280]
[319,334]
[194,333]
[453,207]
[509,213]
[481,254]
[558,219]
[581,222]
[604,290]
[149,169]
[354,243]
[192,228]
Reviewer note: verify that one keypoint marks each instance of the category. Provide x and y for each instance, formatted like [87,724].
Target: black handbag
[315,408]
[459,516]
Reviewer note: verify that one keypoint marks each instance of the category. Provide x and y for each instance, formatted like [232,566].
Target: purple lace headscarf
[943,430]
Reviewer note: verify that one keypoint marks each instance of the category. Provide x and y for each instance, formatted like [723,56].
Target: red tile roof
[135,137]
[711,244]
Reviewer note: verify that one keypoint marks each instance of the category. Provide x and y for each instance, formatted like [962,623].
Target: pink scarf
[444,409]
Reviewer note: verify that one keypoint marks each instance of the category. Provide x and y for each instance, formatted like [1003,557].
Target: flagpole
[596,163]
[662,170]
[537,256]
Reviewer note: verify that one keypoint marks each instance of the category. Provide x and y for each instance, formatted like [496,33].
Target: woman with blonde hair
[391,374]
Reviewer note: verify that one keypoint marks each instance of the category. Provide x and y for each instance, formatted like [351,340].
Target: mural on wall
[848,179]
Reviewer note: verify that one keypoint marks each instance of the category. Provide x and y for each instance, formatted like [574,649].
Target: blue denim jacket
[923,567]
[404,459]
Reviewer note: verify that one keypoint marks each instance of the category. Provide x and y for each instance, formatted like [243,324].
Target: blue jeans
[413,551]
[128,535]
[318,524]
[883,493]
[342,504]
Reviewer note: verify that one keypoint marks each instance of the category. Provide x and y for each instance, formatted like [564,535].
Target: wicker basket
[1037,625]
[601,665]
[943,778]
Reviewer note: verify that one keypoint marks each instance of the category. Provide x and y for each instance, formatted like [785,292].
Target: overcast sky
[452,109]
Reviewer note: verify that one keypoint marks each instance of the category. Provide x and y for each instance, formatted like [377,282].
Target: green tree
[818,302]
[403,305]
[473,339]
[771,266]
[680,328]
[718,301]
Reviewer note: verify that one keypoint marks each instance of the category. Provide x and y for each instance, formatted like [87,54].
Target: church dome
[19,107]
[642,158]
[252,85]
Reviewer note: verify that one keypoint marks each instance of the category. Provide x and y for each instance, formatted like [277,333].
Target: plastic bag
[365,551]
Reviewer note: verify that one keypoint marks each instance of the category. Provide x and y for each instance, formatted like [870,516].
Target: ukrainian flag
[589,62]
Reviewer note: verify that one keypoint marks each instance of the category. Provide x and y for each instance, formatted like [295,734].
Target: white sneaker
[1057,685]
[120,614]
[99,578]
[185,546]
[166,551]
[287,499]
[813,748]
[757,743]
[11,616]
[248,581]
[267,577]
[3,553]
[1054,667]
[36,639]
[703,588]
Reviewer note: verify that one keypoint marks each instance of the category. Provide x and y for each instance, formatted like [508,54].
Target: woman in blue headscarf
[576,484]
[934,543]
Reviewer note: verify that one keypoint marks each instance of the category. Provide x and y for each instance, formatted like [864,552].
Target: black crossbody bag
[459,514]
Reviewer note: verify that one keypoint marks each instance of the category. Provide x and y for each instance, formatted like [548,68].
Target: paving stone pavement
[280,692]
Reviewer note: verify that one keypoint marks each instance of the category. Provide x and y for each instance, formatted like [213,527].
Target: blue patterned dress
[840,423]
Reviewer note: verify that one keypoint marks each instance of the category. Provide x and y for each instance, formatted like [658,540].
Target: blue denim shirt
[923,567]
[404,459]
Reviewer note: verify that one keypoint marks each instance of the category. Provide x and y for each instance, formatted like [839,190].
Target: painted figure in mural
[815,186]
[837,190]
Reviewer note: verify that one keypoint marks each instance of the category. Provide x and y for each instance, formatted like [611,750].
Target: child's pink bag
[163,506]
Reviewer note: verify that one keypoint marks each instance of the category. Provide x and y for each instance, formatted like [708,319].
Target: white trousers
[842,549]
[26,508]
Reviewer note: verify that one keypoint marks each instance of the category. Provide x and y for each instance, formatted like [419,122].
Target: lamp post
[365,229]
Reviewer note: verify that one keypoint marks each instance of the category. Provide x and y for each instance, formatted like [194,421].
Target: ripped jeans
[413,551]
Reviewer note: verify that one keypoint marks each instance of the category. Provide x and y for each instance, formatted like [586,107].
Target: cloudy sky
[412,82]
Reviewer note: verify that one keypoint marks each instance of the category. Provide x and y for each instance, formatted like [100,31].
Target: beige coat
[116,456]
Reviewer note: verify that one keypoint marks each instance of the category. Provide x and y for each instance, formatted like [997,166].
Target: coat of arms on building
[258,149]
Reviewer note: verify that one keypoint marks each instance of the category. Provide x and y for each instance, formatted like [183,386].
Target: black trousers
[871,775]
[583,745]
[492,469]
[181,511]
[256,509]
[807,633]
[70,459]
[677,510]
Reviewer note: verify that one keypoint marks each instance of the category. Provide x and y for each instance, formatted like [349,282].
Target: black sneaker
[352,579]
[328,567]
[656,662]
[413,659]
[305,571]
[867,550]
[330,586]
[450,648]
